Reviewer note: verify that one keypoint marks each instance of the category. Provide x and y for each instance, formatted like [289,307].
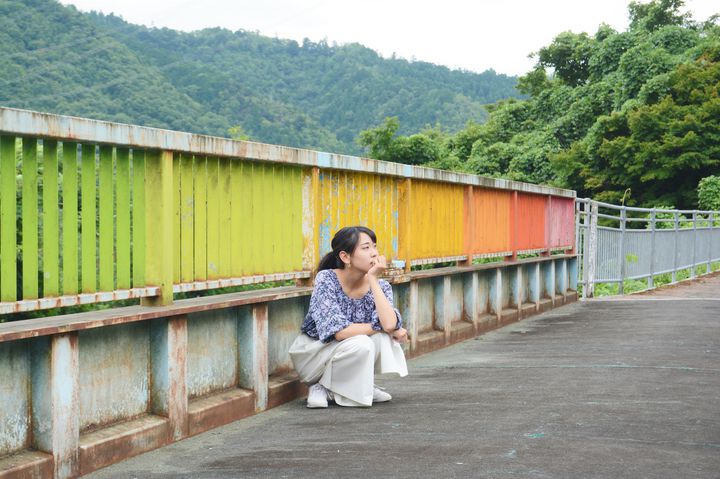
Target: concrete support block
[443,306]
[516,287]
[411,315]
[534,281]
[562,279]
[549,280]
[471,299]
[572,273]
[253,354]
[496,296]
[56,401]
[15,427]
[169,396]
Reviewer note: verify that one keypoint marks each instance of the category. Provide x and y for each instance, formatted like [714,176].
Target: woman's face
[365,254]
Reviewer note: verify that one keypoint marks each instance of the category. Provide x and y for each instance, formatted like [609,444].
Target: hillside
[313,95]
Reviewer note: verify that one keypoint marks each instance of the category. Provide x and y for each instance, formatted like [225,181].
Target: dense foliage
[635,110]
[313,95]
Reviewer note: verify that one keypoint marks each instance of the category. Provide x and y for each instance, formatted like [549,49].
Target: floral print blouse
[331,310]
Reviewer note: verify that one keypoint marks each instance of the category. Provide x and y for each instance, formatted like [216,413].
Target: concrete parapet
[91,389]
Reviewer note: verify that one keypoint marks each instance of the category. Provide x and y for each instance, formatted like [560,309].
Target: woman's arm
[385,310]
[355,330]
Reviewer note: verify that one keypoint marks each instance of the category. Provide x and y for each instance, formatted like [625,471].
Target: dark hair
[346,239]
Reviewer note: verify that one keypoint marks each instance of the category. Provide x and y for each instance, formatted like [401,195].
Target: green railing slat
[200,222]
[236,246]
[122,245]
[138,218]
[177,253]
[70,219]
[224,233]
[213,220]
[107,259]
[159,195]
[30,218]
[187,217]
[88,242]
[8,212]
[51,238]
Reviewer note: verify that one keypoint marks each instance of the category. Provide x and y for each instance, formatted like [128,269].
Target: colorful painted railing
[133,212]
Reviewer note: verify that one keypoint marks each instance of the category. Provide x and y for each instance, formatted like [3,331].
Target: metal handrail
[614,253]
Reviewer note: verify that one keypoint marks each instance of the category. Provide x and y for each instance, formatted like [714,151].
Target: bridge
[156,224]
[620,389]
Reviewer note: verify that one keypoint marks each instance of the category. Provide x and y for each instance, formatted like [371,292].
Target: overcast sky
[473,35]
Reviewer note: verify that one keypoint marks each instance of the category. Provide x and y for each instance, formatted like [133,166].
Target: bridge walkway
[597,389]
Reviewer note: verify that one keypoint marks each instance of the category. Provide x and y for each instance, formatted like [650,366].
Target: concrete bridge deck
[600,389]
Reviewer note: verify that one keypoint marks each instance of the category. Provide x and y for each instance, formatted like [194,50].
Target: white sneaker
[317,396]
[379,395]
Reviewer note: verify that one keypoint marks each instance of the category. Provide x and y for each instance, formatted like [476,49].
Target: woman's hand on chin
[379,267]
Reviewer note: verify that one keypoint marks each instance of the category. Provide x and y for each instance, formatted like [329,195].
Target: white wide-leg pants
[348,367]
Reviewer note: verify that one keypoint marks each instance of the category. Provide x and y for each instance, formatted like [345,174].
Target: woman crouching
[352,330]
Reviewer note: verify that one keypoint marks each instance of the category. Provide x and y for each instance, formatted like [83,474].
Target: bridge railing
[618,243]
[95,211]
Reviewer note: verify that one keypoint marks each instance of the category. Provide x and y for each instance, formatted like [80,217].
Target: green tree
[709,193]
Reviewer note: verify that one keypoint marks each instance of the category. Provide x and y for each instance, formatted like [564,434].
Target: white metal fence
[619,242]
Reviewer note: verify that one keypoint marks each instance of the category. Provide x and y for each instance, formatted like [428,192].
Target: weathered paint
[212,355]
[560,221]
[15,396]
[505,290]
[531,221]
[55,401]
[495,292]
[30,123]
[516,285]
[573,273]
[526,280]
[51,226]
[425,306]
[122,218]
[8,213]
[70,218]
[253,351]
[88,215]
[263,198]
[436,211]
[217,204]
[471,297]
[534,288]
[349,199]
[488,227]
[138,218]
[548,275]
[284,320]
[443,300]
[484,291]
[561,276]
[29,219]
[106,215]
[111,360]
[168,392]
[159,224]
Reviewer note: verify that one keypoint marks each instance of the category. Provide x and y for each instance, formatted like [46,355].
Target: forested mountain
[632,114]
[57,59]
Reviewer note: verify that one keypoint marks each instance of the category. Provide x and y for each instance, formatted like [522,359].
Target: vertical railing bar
[652,249]
[676,244]
[592,248]
[623,220]
[694,249]
[30,218]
